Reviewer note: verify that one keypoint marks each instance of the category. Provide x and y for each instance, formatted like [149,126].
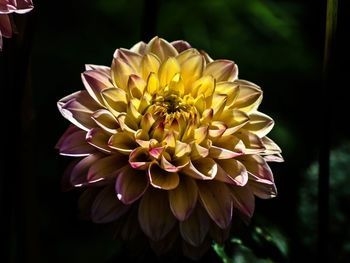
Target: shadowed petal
[5,26]
[162,179]
[253,144]
[180,45]
[139,158]
[115,100]
[155,217]
[243,200]
[106,207]
[122,142]
[106,120]
[183,198]
[99,139]
[139,47]
[257,167]
[131,58]
[130,184]
[106,168]
[194,229]
[217,200]
[121,71]
[78,176]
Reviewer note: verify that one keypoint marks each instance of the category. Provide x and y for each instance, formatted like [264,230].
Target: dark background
[276,44]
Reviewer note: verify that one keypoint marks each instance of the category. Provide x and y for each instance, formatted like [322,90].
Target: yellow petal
[99,139]
[150,63]
[122,142]
[131,58]
[249,96]
[204,85]
[106,120]
[152,83]
[115,99]
[231,171]
[136,86]
[168,70]
[191,70]
[233,119]
[139,47]
[121,71]
[222,70]
[161,48]
[162,179]
[230,89]
[202,169]
[259,123]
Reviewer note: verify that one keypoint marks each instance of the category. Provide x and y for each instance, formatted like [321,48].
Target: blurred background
[276,44]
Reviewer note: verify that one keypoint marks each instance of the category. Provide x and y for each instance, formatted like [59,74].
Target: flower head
[11,6]
[172,134]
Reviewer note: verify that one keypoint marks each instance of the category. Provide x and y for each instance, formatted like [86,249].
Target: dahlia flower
[11,6]
[170,140]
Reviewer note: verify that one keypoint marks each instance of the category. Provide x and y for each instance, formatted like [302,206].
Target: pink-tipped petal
[99,139]
[180,45]
[202,169]
[130,185]
[243,200]
[162,179]
[161,48]
[232,171]
[78,176]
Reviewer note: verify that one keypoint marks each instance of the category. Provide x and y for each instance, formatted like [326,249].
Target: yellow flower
[172,133]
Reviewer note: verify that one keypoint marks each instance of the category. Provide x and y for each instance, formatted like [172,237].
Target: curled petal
[161,48]
[139,158]
[204,85]
[253,144]
[231,89]
[106,120]
[115,100]
[136,86]
[263,190]
[222,153]
[130,185]
[162,179]
[96,81]
[259,124]
[155,217]
[78,108]
[106,207]
[232,171]
[105,168]
[203,169]
[217,200]
[122,142]
[99,139]
[183,198]
[78,175]
[257,168]
[234,120]
[249,96]
[194,229]
[222,70]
